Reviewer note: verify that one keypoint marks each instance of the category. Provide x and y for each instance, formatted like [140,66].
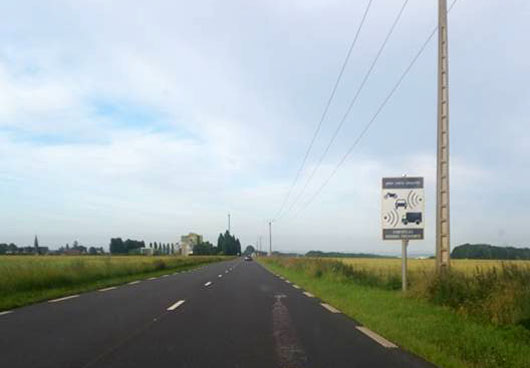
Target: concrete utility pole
[443,247]
[270,238]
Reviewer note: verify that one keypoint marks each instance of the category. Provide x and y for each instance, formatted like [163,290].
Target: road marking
[380,339]
[5,312]
[296,286]
[287,281]
[208,283]
[226,271]
[152,278]
[165,276]
[64,298]
[134,282]
[109,288]
[308,294]
[220,276]
[176,305]
[330,308]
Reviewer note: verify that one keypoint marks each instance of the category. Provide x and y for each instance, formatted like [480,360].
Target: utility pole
[270,238]
[228,222]
[443,247]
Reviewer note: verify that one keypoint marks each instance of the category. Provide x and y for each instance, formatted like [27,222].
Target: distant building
[187,242]
[146,251]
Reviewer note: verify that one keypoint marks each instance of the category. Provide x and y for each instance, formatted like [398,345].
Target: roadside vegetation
[478,315]
[29,279]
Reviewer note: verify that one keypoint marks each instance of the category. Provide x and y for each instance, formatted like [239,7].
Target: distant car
[412,217]
[390,195]
[401,203]
[248,258]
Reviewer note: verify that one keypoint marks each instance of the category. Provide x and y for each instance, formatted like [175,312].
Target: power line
[328,104]
[374,117]
[350,106]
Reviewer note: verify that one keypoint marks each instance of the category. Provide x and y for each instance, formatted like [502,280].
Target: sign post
[402,214]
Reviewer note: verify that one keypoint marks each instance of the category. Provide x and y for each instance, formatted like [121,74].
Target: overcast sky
[148,120]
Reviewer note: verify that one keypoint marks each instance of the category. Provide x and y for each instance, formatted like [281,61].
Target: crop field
[393,265]
[27,279]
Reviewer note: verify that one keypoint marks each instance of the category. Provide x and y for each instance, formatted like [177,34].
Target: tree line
[227,244]
[486,251]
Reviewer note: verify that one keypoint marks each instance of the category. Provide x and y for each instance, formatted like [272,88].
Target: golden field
[391,265]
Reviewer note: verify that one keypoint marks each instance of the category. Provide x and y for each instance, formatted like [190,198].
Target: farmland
[393,265]
[476,315]
[29,279]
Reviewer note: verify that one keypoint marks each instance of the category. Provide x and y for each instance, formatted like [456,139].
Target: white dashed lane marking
[5,312]
[176,305]
[330,308]
[109,288]
[220,276]
[296,286]
[134,282]
[152,278]
[208,283]
[377,338]
[64,298]
[308,294]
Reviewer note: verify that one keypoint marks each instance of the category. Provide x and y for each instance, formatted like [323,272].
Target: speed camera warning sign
[403,207]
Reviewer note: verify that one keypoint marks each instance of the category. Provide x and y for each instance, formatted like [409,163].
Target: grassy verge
[26,279]
[436,333]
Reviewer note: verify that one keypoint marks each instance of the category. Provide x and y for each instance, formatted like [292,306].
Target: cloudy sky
[147,120]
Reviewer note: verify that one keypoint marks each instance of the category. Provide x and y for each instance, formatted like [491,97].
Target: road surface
[228,314]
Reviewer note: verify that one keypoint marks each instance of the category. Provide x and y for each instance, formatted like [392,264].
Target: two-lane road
[228,314]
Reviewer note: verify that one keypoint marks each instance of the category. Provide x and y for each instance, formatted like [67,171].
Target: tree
[92,251]
[204,249]
[249,250]
[220,244]
[116,246]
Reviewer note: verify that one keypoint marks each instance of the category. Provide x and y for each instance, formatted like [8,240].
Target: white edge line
[165,275]
[308,294]
[109,288]
[330,308]
[208,283]
[287,281]
[134,282]
[296,286]
[378,338]
[176,305]
[152,278]
[5,312]
[63,298]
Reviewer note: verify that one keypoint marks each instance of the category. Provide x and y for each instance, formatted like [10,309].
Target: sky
[149,120]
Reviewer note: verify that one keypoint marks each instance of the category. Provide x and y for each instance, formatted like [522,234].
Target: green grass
[436,333]
[30,279]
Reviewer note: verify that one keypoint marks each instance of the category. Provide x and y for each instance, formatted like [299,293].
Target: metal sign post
[404,245]
[402,215]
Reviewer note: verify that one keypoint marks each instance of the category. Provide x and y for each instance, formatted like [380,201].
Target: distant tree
[150,245]
[67,246]
[220,244]
[249,250]
[92,251]
[204,248]
[117,246]
[156,246]
[172,248]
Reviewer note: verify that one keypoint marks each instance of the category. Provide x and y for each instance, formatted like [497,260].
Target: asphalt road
[228,314]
